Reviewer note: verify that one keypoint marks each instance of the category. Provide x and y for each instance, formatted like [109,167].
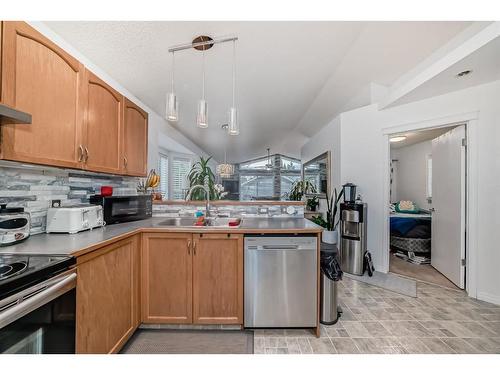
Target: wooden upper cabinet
[218,279]
[166,278]
[40,78]
[135,140]
[107,297]
[103,126]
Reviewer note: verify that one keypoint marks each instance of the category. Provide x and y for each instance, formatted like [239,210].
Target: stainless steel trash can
[329,304]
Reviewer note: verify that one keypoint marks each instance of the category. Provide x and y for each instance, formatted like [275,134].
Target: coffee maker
[353,215]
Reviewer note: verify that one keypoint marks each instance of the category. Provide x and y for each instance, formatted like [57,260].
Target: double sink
[212,222]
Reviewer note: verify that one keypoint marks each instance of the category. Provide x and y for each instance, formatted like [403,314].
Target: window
[180,170]
[163,173]
[260,181]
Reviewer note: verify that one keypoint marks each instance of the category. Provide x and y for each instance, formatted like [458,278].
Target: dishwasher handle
[280,247]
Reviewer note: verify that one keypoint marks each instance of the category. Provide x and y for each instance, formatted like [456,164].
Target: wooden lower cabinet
[167,278]
[192,278]
[107,297]
[218,279]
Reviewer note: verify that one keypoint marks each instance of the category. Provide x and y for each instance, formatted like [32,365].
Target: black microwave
[119,209]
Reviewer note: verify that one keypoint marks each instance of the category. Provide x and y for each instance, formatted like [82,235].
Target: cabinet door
[107,297]
[135,140]
[218,279]
[167,278]
[40,78]
[102,132]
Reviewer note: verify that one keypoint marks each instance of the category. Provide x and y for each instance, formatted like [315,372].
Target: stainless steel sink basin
[213,222]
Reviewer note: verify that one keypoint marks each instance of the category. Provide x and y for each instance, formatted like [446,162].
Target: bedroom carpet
[164,341]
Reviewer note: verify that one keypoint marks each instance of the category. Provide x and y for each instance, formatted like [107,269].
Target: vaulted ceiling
[292,77]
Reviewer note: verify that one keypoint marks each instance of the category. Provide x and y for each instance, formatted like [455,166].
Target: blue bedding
[403,224]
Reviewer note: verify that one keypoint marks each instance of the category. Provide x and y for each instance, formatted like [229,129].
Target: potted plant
[330,234]
[299,189]
[312,203]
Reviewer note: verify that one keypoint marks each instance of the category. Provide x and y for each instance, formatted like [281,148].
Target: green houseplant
[299,189]
[312,203]
[330,234]
[197,175]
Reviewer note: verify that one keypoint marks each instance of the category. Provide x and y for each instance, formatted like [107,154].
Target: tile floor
[375,320]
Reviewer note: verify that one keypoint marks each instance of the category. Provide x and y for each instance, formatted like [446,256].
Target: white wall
[160,133]
[411,176]
[365,152]
[327,139]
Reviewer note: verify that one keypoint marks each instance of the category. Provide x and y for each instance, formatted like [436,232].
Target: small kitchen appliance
[15,225]
[74,219]
[352,236]
[119,209]
[349,192]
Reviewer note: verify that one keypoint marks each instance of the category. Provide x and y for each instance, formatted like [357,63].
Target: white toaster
[74,219]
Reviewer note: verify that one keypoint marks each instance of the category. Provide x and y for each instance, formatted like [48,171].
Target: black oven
[117,209]
[41,318]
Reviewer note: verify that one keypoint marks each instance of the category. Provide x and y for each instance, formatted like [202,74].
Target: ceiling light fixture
[225,170]
[172,104]
[202,43]
[234,127]
[398,138]
[464,73]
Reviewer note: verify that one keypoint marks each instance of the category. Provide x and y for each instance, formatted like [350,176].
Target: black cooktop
[19,271]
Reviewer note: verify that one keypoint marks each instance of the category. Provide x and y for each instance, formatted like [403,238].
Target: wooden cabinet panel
[102,132]
[218,279]
[107,297]
[40,78]
[166,278]
[135,140]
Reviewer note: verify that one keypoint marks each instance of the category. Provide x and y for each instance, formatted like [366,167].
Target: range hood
[9,115]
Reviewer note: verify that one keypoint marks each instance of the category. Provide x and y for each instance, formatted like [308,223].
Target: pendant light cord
[203,78]
[173,69]
[234,72]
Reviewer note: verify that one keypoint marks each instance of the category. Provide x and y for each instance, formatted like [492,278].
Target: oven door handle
[31,301]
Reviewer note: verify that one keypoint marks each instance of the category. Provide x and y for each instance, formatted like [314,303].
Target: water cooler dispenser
[352,232]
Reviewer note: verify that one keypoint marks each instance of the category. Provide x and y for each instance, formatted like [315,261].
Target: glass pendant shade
[225,170]
[234,127]
[172,107]
[202,116]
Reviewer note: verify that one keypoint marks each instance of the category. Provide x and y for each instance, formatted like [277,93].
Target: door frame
[470,120]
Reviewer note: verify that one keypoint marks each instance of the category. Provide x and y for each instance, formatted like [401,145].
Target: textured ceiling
[292,77]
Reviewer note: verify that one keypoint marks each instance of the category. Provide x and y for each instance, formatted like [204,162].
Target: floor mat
[389,281]
[168,341]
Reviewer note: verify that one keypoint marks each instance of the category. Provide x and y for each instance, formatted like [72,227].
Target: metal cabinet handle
[194,247]
[86,154]
[80,157]
[125,161]
[189,247]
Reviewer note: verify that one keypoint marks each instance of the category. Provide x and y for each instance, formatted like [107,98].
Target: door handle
[86,154]
[80,157]
[189,247]
[194,247]
[125,161]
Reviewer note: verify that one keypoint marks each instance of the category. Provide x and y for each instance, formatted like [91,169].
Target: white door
[448,201]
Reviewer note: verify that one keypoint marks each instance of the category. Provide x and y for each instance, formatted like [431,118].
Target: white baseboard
[488,298]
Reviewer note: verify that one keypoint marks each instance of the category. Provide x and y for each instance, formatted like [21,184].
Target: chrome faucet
[206,188]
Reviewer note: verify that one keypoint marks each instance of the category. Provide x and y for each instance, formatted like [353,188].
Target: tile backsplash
[35,187]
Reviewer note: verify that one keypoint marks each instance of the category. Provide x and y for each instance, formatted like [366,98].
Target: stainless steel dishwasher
[281,280]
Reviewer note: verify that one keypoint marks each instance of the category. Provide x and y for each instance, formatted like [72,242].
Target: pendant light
[234,127]
[172,103]
[202,117]
[225,170]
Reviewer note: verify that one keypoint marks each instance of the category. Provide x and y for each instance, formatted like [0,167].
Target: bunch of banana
[153,179]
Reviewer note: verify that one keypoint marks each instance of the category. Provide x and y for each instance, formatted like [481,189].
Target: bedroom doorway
[428,203]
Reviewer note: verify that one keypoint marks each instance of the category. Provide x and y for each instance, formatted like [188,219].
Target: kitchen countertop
[84,242]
